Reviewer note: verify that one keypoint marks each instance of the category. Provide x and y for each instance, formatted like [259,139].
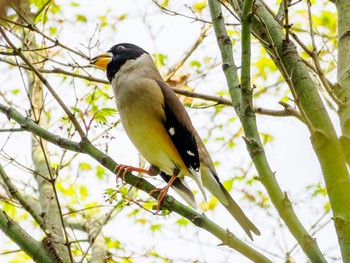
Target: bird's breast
[140,104]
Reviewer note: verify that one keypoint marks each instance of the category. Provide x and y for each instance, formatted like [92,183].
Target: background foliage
[69,206]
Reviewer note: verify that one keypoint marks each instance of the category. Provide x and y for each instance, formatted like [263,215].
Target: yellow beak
[102,60]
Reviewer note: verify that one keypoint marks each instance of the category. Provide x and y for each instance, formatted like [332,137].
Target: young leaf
[102,114]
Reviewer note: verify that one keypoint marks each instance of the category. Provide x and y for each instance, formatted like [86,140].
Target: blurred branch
[56,70]
[12,189]
[97,240]
[37,251]
[174,13]
[343,76]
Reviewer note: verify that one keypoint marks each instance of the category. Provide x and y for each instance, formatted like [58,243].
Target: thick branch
[252,139]
[21,199]
[323,135]
[37,251]
[343,73]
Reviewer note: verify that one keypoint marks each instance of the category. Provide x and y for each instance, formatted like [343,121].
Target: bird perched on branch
[160,128]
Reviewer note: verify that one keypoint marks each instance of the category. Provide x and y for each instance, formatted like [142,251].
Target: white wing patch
[172,131]
[190,153]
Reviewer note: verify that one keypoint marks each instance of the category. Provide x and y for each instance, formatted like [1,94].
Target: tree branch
[187,54]
[323,136]
[12,189]
[252,139]
[37,251]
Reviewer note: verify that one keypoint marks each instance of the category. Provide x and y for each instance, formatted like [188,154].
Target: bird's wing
[179,126]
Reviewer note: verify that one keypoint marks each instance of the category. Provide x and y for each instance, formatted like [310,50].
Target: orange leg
[122,169]
[163,191]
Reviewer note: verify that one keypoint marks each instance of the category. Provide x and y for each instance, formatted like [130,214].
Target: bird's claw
[122,170]
[162,194]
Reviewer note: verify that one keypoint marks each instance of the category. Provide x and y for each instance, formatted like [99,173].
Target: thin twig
[31,26]
[314,56]
[18,52]
[188,53]
[93,238]
[287,26]
[284,72]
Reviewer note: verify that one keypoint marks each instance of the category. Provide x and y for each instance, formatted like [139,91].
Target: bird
[160,128]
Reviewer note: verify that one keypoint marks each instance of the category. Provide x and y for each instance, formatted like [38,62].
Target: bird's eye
[120,48]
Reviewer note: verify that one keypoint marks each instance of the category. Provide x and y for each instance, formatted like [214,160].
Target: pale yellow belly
[149,136]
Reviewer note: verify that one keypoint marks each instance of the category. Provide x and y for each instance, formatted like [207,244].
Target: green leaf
[41,17]
[195,64]
[122,17]
[109,191]
[102,114]
[15,91]
[266,137]
[318,189]
[54,8]
[198,7]
[228,184]
[149,205]
[85,166]
[165,3]
[143,221]
[81,18]
[156,227]
[124,190]
[83,192]
[110,195]
[103,21]
[210,205]
[182,222]
[100,172]
[75,109]
[159,59]
[112,243]
[53,30]
[9,209]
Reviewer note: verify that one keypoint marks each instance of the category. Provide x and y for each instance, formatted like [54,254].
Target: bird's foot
[122,170]
[162,191]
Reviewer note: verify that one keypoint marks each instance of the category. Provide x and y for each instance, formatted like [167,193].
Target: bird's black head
[121,53]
